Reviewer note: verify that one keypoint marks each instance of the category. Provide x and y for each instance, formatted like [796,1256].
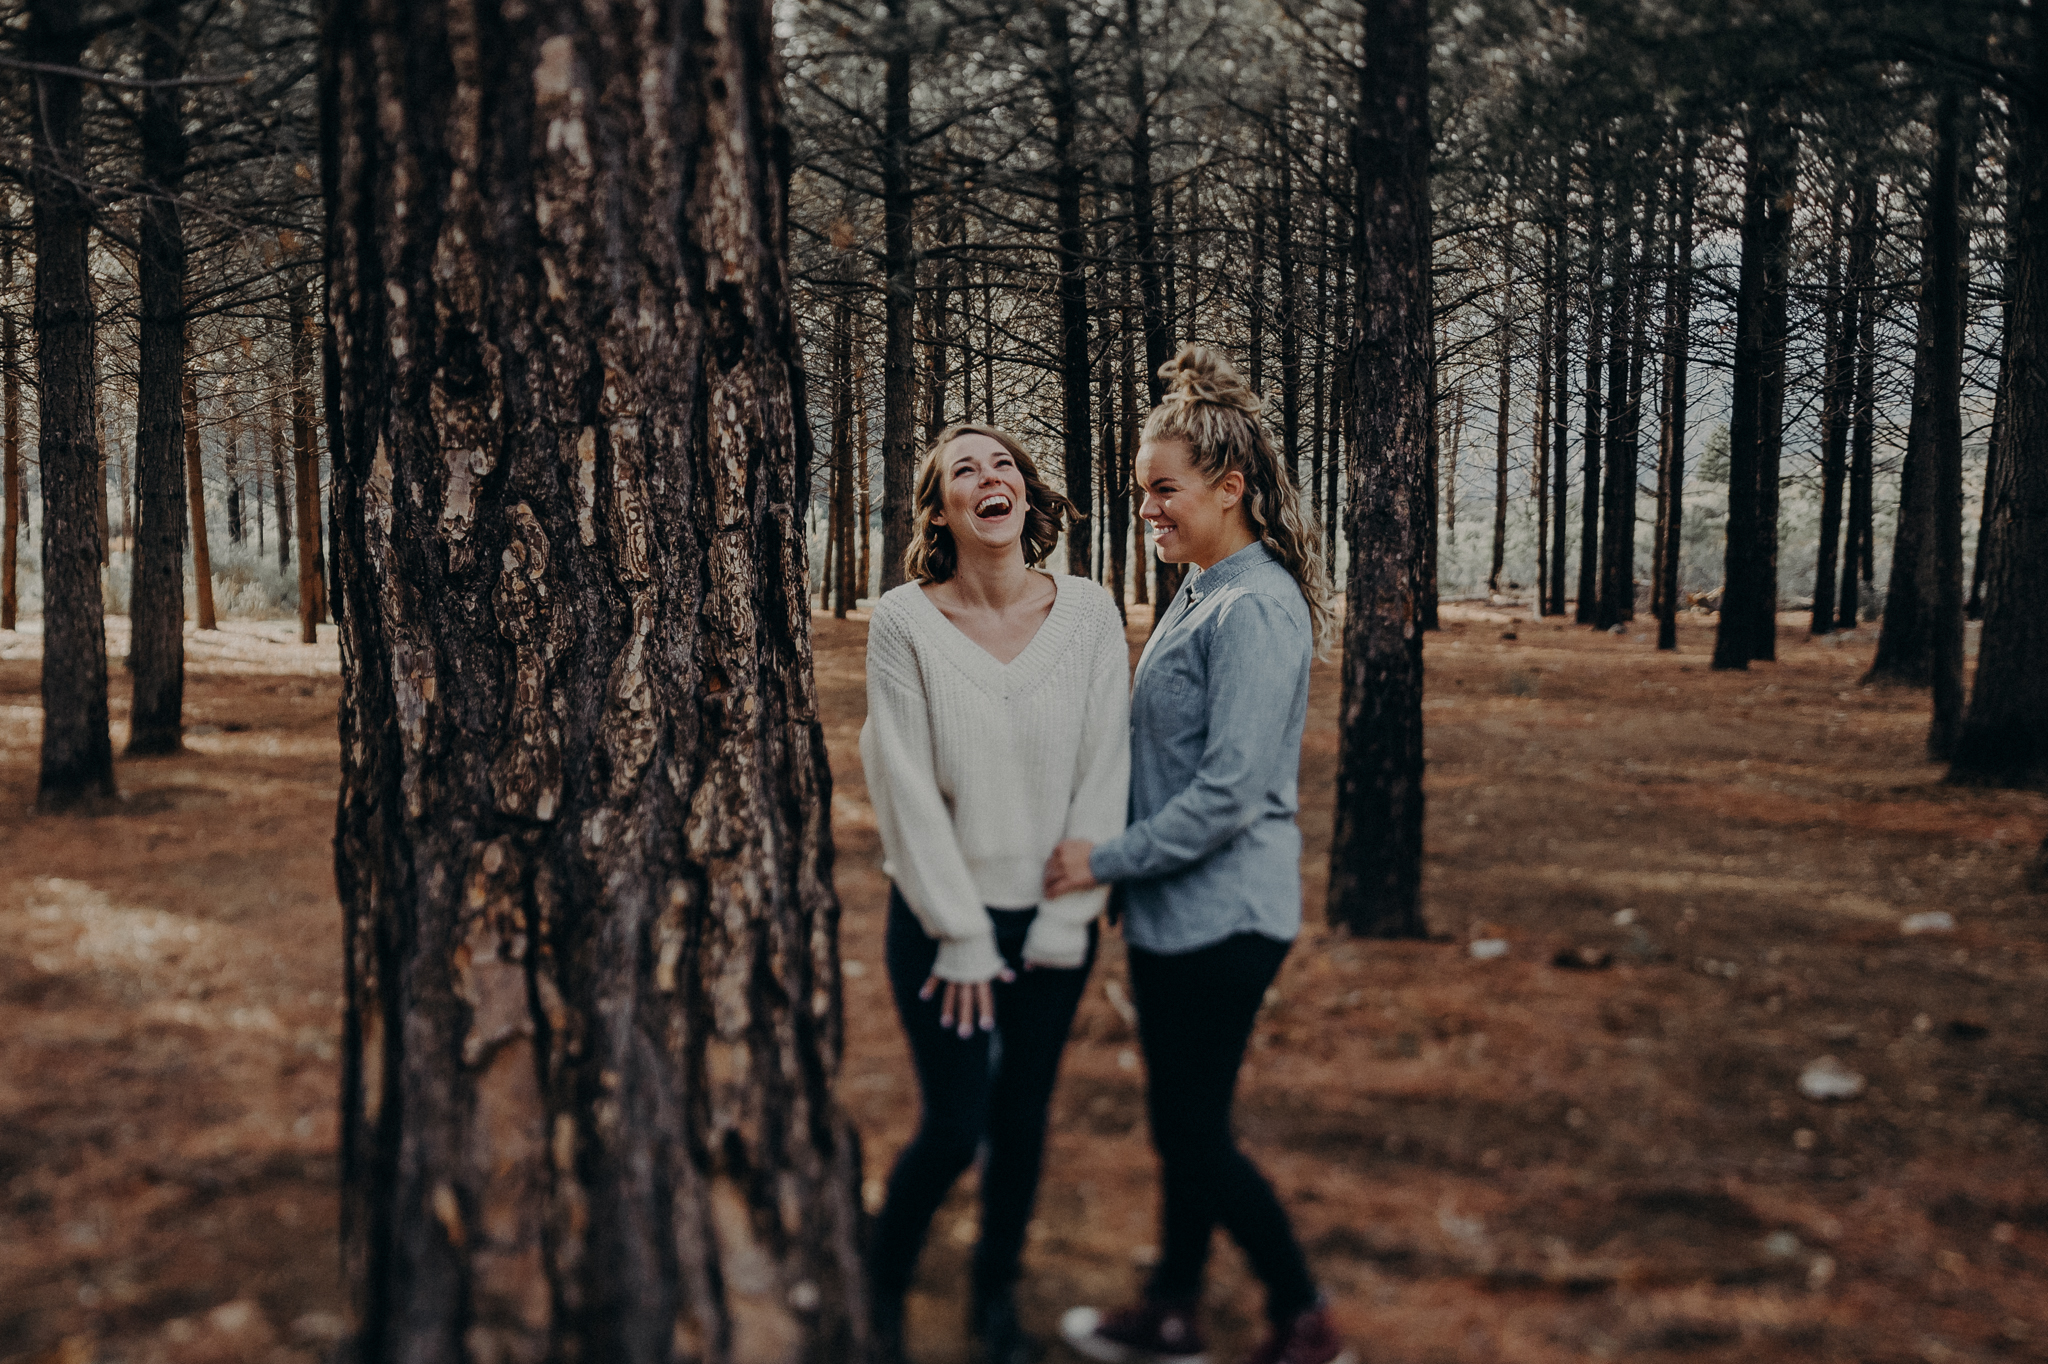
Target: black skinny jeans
[1195,1014]
[991,1087]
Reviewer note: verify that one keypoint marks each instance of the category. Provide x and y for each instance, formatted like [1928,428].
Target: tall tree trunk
[1500,412]
[1068,177]
[899,271]
[1321,365]
[2004,738]
[13,521]
[279,482]
[1376,849]
[305,465]
[195,493]
[1449,469]
[1560,409]
[156,598]
[1618,494]
[1912,610]
[231,456]
[77,751]
[1153,281]
[1678,351]
[1596,338]
[1340,426]
[1539,434]
[1837,381]
[1119,492]
[1287,317]
[1638,372]
[842,459]
[593,1000]
[941,321]
[1748,624]
[865,573]
[1994,448]
[1950,247]
[1859,569]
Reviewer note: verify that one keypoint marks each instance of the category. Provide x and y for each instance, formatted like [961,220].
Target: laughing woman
[997,726]
[1211,862]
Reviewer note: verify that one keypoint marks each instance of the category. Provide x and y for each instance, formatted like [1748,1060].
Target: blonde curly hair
[1210,407]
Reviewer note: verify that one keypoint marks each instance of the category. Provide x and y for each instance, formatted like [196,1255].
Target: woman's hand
[966,1001]
[1066,871]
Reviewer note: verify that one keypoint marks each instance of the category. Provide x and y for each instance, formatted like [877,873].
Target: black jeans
[1195,1014]
[990,1087]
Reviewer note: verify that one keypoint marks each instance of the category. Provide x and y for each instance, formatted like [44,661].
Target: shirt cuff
[1107,862]
[1060,945]
[968,961]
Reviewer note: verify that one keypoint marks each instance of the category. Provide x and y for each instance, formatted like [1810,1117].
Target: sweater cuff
[1049,942]
[968,961]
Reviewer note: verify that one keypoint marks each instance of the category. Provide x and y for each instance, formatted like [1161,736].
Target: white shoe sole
[1078,1326]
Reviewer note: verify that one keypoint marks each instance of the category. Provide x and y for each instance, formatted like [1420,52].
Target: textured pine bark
[78,752]
[156,607]
[1376,849]
[592,974]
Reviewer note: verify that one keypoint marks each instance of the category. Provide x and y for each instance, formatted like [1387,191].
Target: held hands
[1066,871]
[966,1001]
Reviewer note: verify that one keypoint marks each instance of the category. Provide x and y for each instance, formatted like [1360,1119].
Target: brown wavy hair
[932,556]
[1215,411]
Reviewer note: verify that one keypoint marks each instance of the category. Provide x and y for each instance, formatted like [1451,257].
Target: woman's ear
[1231,485]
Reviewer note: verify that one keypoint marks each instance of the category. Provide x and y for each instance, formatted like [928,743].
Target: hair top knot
[1201,375]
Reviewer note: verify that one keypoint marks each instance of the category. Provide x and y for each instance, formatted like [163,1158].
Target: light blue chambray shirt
[1217,708]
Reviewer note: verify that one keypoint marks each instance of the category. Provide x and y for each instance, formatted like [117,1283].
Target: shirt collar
[1223,570]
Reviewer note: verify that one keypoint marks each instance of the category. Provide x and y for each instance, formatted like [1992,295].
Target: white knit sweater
[976,769]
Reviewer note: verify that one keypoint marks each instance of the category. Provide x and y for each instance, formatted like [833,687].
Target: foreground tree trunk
[593,1001]
[1376,850]
[156,604]
[2004,738]
[78,751]
[1588,603]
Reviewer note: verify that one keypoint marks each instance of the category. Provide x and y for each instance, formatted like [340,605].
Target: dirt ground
[1593,1145]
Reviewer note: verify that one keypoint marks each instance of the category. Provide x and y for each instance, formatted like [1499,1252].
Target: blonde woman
[998,708]
[1211,862]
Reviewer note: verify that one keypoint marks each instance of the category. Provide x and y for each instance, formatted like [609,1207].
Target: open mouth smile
[992,507]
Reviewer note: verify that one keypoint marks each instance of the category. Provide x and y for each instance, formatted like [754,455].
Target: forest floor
[1593,1145]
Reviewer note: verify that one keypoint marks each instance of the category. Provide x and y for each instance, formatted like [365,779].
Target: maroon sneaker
[1150,1333]
[1308,1339]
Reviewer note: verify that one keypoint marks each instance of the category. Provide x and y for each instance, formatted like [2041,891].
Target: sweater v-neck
[983,666]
